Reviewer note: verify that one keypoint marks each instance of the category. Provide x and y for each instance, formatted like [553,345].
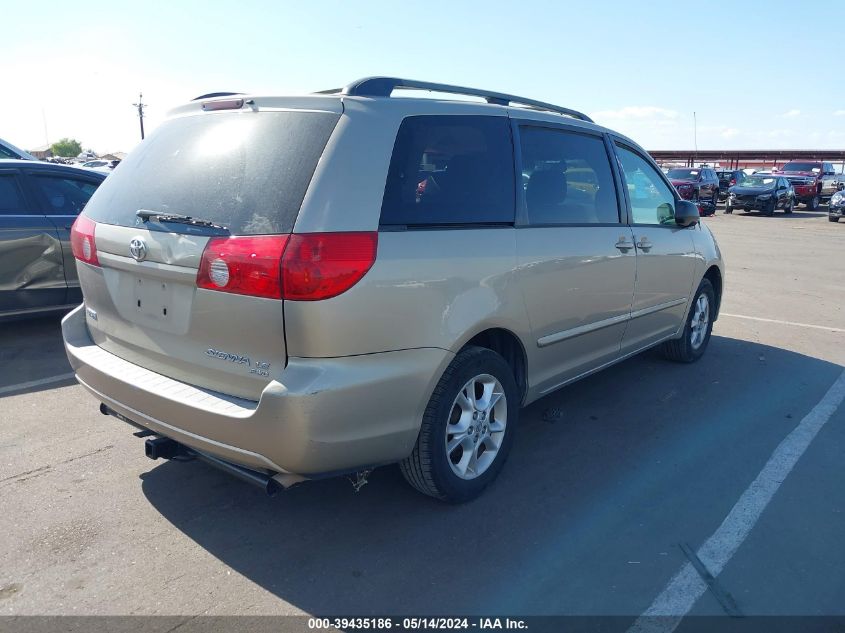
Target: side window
[450,170]
[63,196]
[567,178]
[652,201]
[11,200]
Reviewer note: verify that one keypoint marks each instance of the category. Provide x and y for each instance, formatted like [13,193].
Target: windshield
[246,171]
[757,181]
[813,167]
[683,174]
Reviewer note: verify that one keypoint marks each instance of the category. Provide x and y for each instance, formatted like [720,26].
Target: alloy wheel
[700,321]
[476,426]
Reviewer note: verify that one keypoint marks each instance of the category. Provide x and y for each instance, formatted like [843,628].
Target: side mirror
[686,213]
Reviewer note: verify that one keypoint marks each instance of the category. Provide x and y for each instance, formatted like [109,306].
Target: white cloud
[729,132]
[791,114]
[839,113]
[635,112]
[779,133]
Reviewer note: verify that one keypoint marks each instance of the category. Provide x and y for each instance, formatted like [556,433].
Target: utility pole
[141,105]
[695,132]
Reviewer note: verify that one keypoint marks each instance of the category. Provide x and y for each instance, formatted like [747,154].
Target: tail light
[302,267]
[244,265]
[82,240]
[322,265]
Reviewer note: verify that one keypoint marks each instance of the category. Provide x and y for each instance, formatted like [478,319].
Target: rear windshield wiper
[178,218]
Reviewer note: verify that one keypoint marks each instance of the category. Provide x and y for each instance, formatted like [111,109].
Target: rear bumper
[326,416]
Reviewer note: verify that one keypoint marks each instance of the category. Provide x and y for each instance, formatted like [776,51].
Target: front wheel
[467,428]
[813,203]
[789,206]
[832,218]
[690,347]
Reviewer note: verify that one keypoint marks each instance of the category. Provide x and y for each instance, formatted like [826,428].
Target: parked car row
[797,182]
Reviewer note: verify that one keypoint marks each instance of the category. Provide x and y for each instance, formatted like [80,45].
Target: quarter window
[450,170]
[11,201]
[652,201]
[567,178]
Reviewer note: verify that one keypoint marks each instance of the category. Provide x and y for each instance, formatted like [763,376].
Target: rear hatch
[158,292]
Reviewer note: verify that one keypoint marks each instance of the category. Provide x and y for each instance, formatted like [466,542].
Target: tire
[729,209]
[831,218]
[789,206]
[813,203]
[430,468]
[693,343]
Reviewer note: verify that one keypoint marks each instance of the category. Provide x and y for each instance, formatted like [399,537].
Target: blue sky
[758,74]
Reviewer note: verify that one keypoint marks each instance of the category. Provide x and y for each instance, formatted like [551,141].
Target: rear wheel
[467,428]
[832,218]
[789,206]
[814,202]
[691,346]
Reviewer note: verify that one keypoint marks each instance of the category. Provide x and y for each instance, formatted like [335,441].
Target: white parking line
[35,383]
[686,587]
[752,318]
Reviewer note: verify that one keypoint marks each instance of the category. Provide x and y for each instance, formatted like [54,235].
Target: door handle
[624,245]
[644,245]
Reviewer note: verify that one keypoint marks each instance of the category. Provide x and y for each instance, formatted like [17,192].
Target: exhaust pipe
[166,448]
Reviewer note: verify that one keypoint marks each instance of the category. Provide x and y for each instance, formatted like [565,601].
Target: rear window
[684,174]
[452,169]
[247,171]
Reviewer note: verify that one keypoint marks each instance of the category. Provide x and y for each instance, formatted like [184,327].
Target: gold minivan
[299,287]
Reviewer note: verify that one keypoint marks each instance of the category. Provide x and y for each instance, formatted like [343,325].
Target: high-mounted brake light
[301,267]
[227,104]
[82,240]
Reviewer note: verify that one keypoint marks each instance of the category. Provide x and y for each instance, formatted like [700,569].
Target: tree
[68,147]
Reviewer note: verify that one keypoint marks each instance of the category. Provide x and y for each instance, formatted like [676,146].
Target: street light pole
[140,105]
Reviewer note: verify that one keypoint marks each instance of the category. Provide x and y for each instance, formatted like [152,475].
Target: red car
[813,181]
[699,185]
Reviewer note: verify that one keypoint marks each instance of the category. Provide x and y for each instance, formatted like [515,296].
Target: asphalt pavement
[611,484]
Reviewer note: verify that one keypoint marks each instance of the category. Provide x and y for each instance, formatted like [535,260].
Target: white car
[101,165]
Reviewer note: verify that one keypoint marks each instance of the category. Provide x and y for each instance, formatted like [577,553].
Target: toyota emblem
[138,249]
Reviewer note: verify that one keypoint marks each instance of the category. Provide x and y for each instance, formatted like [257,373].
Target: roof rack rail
[384,86]
[211,95]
